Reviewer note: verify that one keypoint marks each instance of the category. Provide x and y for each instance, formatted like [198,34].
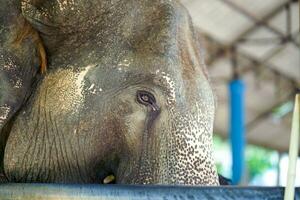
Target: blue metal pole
[237,129]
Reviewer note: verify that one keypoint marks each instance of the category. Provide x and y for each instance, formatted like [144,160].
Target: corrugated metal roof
[265,36]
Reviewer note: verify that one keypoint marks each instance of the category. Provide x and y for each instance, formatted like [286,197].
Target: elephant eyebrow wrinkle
[152,79]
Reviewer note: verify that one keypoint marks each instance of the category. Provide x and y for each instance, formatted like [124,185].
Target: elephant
[105,87]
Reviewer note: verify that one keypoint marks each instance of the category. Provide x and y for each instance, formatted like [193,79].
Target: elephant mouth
[106,177]
[106,171]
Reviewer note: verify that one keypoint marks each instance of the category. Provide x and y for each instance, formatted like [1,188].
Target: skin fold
[125,93]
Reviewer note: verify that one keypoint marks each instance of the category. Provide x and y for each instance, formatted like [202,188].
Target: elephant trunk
[177,151]
[186,150]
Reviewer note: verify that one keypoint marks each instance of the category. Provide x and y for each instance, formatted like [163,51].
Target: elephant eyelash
[145,98]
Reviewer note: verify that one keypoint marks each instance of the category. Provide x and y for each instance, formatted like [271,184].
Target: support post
[237,129]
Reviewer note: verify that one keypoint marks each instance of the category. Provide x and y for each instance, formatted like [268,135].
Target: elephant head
[125,93]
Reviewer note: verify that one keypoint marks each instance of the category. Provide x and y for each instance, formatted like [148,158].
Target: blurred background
[253,55]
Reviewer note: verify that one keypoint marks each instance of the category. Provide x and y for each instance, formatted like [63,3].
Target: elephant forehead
[74,15]
[60,11]
[56,17]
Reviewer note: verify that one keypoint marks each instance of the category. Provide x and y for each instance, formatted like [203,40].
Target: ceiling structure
[259,42]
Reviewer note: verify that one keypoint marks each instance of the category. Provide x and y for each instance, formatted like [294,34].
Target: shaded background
[258,41]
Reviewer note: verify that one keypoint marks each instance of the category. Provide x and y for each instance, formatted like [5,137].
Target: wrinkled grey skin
[82,120]
[18,70]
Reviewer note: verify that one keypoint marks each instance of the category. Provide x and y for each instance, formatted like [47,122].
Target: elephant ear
[21,54]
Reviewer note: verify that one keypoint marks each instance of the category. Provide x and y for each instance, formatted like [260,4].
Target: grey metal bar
[288,20]
[120,192]
[261,41]
[265,18]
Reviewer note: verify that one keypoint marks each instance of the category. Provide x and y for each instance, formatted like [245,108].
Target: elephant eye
[145,98]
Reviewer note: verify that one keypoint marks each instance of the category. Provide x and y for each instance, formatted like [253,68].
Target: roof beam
[264,62]
[265,114]
[262,21]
